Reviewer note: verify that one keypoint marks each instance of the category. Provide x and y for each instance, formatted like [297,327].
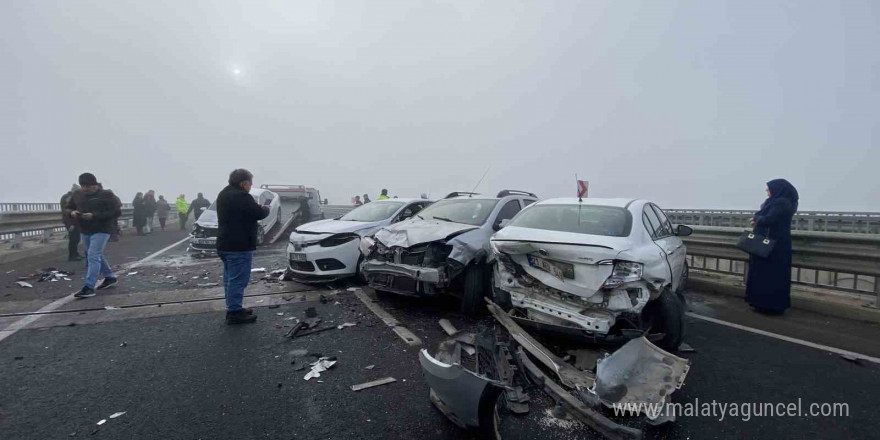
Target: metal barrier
[16,226]
[826,221]
[845,262]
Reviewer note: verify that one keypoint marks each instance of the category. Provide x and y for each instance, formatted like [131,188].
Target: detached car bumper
[401,278]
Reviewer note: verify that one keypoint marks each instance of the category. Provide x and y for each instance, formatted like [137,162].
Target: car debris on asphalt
[321,365]
[375,383]
[24,284]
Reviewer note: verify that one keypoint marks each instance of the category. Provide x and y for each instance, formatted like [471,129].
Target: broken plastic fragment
[322,364]
[24,284]
[117,414]
[369,367]
[346,324]
[102,421]
[258,269]
[375,383]
[132,273]
[111,308]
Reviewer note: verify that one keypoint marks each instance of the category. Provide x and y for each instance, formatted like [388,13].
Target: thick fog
[694,104]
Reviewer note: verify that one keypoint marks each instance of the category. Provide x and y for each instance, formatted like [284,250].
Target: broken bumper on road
[400,278]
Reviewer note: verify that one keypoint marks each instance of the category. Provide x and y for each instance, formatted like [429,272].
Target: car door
[671,242]
[663,238]
[507,212]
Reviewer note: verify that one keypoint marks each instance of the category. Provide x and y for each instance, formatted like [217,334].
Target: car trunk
[565,261]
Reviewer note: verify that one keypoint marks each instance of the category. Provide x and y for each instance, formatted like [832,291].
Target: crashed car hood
[333,226]
[413,232]
[208,219]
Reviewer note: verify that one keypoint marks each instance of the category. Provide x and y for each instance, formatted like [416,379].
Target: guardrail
[844,262]
[16,226]
[826,221]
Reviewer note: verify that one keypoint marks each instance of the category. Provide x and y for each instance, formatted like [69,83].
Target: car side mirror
[500,224]
[683,231]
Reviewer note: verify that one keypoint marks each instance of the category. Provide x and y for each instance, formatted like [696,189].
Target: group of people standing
[357,201]
[147,208]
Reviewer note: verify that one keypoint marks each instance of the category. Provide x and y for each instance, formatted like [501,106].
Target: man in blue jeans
[238,215]
[96,210]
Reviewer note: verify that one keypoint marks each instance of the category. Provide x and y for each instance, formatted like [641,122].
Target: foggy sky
[692,104]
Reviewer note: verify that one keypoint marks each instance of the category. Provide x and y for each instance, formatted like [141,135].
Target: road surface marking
[390,321]
[838,351]
[27,320]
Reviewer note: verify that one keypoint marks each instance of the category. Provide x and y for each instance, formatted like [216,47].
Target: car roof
[401,199]
[619,203]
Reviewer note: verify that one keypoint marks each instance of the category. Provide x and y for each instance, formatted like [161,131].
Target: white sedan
[604,269]
[327,250]
[204,235]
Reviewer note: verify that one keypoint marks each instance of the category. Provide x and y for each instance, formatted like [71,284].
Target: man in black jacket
[198,206]
[238,215]
[71,225]
[96,210]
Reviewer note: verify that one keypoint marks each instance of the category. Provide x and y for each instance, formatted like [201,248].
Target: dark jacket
[103,204]
[139,215]
[150,205]
[197,205]
[66,219]
[237,215]
[768,285]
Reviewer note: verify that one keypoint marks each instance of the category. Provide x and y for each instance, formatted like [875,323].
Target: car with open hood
[327,250]
[443,249]
[608,270]
[203,239]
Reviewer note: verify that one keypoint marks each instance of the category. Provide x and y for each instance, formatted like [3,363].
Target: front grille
[329,264]
[201,232]
[302,266]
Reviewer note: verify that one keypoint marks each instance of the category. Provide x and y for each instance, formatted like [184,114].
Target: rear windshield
[467,211]
[372,212]
[584,219]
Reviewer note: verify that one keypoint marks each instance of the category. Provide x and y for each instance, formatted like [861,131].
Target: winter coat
[197,205]
[162,208]
[768,283]
[150,206]
[238,216]
[140,212]
[103,204]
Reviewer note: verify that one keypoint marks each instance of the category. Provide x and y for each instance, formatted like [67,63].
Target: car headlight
[624,272]
[366,245]
[338,239]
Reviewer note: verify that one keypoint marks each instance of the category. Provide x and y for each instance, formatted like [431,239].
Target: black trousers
[183,218]
[73,237]
[162,222]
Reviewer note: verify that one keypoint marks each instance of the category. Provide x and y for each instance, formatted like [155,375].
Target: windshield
[467,211]
[585,219]
[372,212]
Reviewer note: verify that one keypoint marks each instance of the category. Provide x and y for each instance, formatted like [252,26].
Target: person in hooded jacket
[140,213]
[768,283]
[96,210]
[162,209]
[150,208]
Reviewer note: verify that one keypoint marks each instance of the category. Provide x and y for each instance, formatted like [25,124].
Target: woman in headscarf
[768,285]
[140,213]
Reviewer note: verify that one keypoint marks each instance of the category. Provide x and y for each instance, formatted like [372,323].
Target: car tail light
[623,272]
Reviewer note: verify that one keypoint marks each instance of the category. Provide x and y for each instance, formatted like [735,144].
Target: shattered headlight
[366,245]
[624,272]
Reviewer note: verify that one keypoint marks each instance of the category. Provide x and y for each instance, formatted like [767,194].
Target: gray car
[442,250]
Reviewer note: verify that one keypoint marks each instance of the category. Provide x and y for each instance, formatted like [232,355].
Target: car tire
[474,290]
[261,235]
[666,315]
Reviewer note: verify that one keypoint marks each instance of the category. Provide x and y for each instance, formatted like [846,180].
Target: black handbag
[755,243]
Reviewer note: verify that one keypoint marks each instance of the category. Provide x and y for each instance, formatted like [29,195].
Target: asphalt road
[177,371]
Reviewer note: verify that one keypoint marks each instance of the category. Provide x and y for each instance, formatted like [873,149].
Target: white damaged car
[203,239]
[327,250]
[607,270]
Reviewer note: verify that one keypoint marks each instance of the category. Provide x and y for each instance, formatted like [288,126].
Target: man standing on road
[71,225]
[238,215]
[96,210]
[198,206]
[384,195]
[182,211]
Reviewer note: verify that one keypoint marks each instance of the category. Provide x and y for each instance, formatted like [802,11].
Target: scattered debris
[346,324]
[375,383]
[353,289]
[117,414]
[369,367]
[123,344]
[112,308]
[684,347]
[258,270]
[132,273]
[280,313]
[448,327]
[102,421]
[24,284]
[321,365]
[9,272]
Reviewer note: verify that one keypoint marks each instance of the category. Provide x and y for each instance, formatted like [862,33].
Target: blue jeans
[236,276]
[95,244]
[150,224]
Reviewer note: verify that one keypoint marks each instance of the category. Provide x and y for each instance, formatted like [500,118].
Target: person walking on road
[162,209]
[182,210]
[198,206]
[96,210]
[238,215]
[384,195]
[140,213]
[366,199]
[768,284]
[71,225]
[150,209]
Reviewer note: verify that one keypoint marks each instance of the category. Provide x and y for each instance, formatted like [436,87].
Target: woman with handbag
[768,286]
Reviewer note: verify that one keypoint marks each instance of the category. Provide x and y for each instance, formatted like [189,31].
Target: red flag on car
[583,185]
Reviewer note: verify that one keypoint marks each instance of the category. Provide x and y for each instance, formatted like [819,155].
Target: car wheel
[472,301]
[261,235]
[665,315]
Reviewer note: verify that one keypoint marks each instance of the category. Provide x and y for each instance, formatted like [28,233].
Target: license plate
[558,270]
[204,240]
[297,257]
